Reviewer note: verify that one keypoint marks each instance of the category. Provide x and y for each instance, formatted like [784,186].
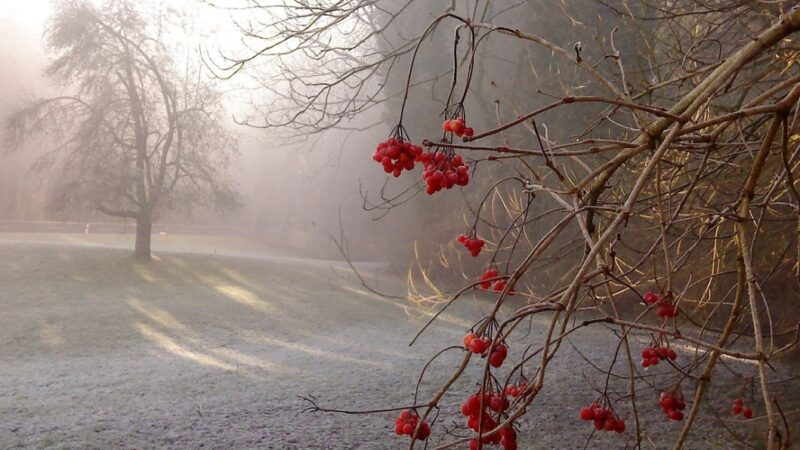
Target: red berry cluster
[458,127]
[473,245]
[672,406]
[473,412]
[397,155]
[406,423]
[475,344]
[497,285]
[507,439]
[487,276]
[516,390]
[443,171]
[471,408]
[604,418]
[480,346]
[665,306]
[739,408]
[499,403]
[652,355]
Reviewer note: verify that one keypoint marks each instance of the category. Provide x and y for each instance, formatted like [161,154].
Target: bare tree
[134,136]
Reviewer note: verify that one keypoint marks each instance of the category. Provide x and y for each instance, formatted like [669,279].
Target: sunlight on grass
[144,272]
[79,278]
[244,297]
[51,335]
[237,277]
[251,361]
[170,345]
[157,315]
[223,358]
[318,353]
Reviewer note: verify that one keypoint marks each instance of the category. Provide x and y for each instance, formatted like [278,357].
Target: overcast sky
[29,13]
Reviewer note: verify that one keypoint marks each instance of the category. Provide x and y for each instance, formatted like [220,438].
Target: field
[210,345]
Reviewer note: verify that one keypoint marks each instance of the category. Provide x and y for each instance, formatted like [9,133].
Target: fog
[372,224]
[295,188]
[300,185]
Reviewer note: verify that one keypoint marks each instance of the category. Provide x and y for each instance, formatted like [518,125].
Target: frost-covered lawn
[202,350]
[100,351]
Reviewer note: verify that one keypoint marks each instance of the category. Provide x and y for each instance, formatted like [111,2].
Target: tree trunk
[144,226]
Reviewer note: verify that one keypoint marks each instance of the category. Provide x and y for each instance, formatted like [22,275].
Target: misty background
[289,270]
[298,182]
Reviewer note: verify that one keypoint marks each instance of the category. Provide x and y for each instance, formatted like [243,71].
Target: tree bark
[144,227]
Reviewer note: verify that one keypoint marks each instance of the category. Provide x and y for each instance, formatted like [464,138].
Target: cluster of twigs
[693,199]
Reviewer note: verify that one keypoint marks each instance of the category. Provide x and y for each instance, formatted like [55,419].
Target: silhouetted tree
[134,136]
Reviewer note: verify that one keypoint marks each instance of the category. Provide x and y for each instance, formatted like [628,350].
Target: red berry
[587,414]
[509,445]
[477,346]
[496,359]
[652,297]
[620,426]
[747,413]
[737,409]
[469,132]
[468,338]
[424,431]
[490,424]
[675,415]
[474,402]
[508,433]
[457,126]
[452,178]
[498,403]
